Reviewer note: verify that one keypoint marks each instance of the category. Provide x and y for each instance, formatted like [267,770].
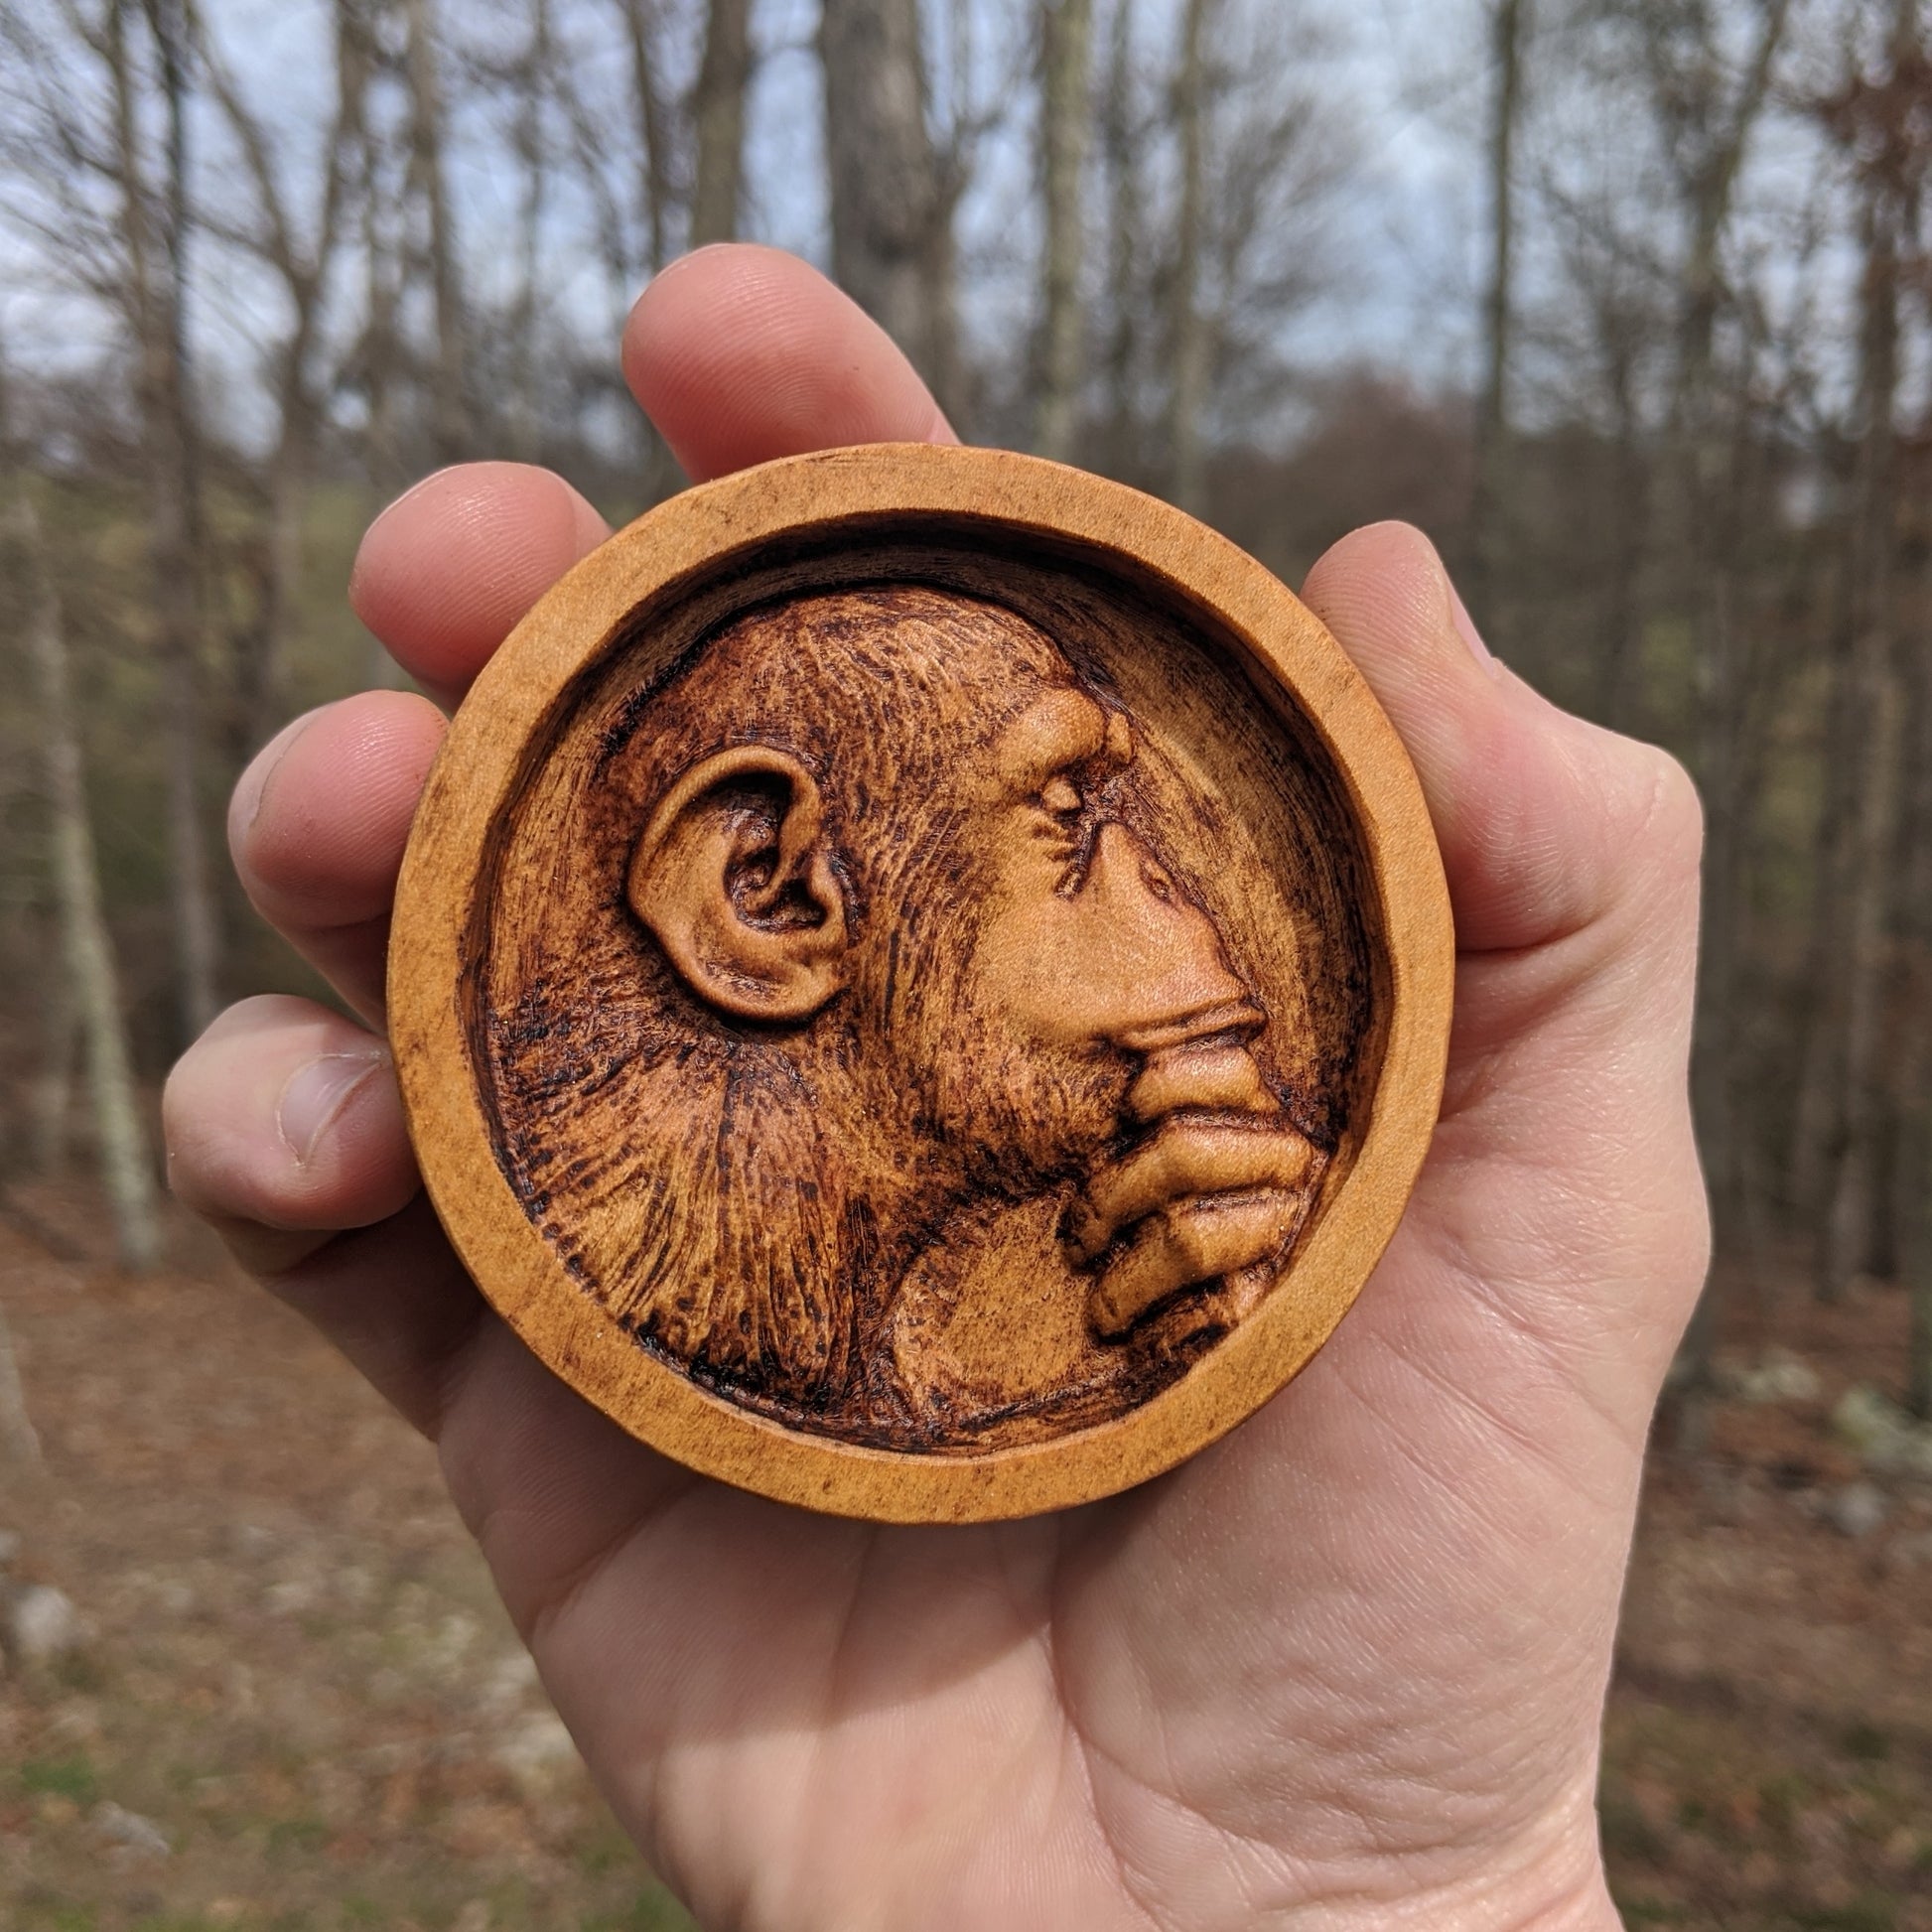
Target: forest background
[1628,303]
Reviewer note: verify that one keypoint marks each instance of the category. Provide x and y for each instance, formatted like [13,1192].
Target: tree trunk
[52,1112]
[18,1442]
[288,503]
[88,951]
[1187,340]
[1125,239]
[1918,1385]
[719,114]
[1863,959]
[891,213]
[1855,1194]
[1914,1064]
[1506,22]
[429,186]
[1066,95]
[1818,1111]
[171,460]
[654,181]
[533,156]
[1620,696]
[1705,483]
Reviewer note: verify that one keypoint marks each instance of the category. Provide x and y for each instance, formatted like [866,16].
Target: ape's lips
[1219,1183]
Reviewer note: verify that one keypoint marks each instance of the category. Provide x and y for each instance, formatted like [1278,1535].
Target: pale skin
[1343,1669]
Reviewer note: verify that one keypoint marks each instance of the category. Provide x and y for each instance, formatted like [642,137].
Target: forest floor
[296,1705]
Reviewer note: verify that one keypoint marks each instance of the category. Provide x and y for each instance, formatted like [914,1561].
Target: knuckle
[1675,835]
[1653,814]
[1675,817]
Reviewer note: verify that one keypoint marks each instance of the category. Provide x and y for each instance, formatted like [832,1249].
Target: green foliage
[1868,1913]
[655,1911]
[1651,1912]
[292,1837]
[55,1915]
[1628,1836]
[1780,1799]
[60,1777]
[1867,1744]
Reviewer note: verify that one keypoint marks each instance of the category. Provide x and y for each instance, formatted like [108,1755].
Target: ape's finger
[1545,822]
[446,571]
[318,827]
[739,355]
[283,1124]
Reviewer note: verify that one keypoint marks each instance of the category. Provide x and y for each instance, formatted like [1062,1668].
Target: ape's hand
[1195,1200]
[1343,1669]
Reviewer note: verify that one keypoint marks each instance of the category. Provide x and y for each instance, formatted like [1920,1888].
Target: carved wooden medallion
[920,982]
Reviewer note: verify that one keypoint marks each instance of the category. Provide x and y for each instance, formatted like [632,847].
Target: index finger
[445,573]
[739,355]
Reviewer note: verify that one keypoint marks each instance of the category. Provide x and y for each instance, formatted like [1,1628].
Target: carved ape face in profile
[950,1106]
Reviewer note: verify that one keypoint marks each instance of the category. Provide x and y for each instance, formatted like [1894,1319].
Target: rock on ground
[129,1830]
[42,1625]
[1858,1509]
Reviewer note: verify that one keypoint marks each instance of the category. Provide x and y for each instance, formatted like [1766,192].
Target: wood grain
[921,979]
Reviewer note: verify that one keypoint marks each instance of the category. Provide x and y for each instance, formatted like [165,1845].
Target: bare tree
[113,221]
[1188,346]
[1123,152]
[381,200]
[430,192]
[17,1440]
[718,112]
[1873,120]
[642,27]
[154,234]
[301,250]
[85,945]
[532,83]
[1914,1061]
[892,198]
[1065,113]
[1507,20]
[1706,117]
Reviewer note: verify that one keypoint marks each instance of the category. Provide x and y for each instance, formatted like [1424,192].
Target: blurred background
[1628,303]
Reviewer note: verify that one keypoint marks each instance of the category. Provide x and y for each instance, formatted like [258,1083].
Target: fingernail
[381,517]
[389,508]
[316,1093]
[253,784]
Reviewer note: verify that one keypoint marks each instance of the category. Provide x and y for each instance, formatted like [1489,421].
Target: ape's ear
[734,875]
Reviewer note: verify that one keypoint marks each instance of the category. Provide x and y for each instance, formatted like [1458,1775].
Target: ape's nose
[1183,1009]
[1156,961]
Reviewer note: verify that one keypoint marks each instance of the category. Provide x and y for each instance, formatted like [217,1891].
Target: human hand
[1343,1668]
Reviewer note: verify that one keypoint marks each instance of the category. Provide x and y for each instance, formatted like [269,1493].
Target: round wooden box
[920,982]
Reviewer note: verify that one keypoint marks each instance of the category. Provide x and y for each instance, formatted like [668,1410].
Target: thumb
[1564,1170]
[1549,825]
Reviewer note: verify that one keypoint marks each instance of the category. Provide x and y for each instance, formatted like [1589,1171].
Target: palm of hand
[1347,1664]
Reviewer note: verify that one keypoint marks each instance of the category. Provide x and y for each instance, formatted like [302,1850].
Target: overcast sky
[1404,85]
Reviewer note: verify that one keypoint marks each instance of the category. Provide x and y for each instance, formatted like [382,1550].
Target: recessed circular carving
[921,983]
